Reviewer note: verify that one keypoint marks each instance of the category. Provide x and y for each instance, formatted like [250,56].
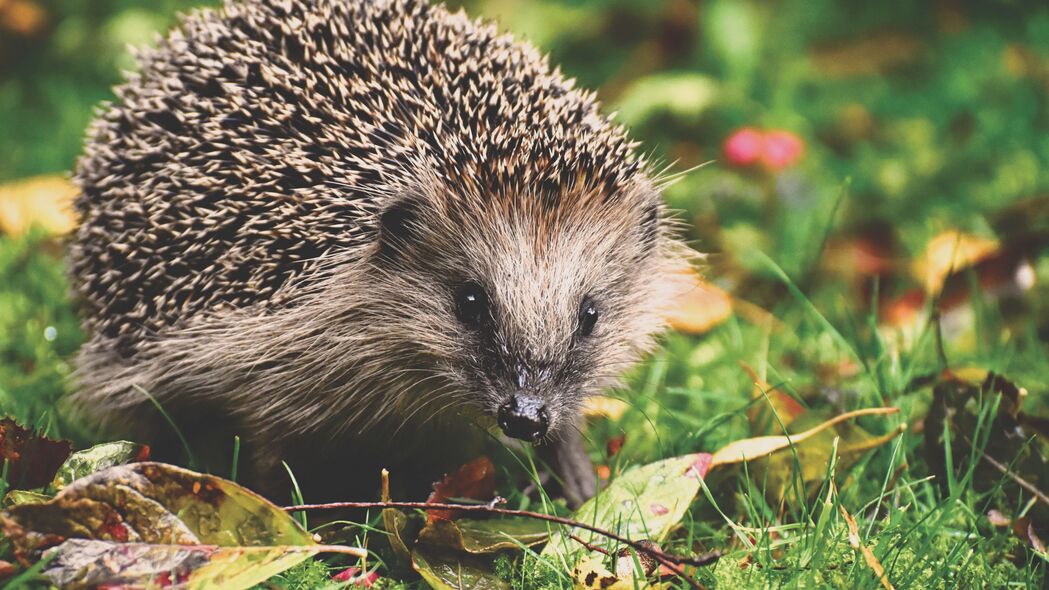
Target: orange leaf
[699,307]
[949,252]
[475,480]
[23,17]
[43,201]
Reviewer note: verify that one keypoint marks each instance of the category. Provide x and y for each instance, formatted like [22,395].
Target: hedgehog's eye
[587,317]
[471,304]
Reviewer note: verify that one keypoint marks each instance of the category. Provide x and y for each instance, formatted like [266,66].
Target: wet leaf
[475,481]
[445,571]
[485,536]
[645,502]
[83,463]
[44,201]
[158,513]
[32,460]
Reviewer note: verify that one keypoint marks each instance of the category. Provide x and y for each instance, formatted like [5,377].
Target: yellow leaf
[949,252]
[591,574]
[43,201]
[602,406]
[761,446]
[699,307]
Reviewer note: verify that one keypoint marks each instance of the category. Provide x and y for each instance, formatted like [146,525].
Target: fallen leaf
[979,412]
[475,481]
[395,523]
[591,574]
[43,201]
[84,563]
[602,406]
[644,502]
[947,253]
[19,497]
[761,446]
[134,515]
[773,409]
[485,536]
[699,307]
[83,463]
[32,460]
[446,571]
[628,560]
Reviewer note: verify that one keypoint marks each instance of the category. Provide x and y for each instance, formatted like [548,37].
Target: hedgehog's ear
[398,226]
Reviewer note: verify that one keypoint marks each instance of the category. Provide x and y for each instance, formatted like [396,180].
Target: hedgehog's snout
[525,417]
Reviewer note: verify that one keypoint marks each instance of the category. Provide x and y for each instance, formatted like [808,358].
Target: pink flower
[744,147]
[354,576]
[775,150]
[782,149]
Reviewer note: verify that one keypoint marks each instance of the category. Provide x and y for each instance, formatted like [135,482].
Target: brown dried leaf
[32,460]
[475,480]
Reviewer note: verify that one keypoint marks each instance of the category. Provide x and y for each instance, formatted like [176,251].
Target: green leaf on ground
[485,536]
[446,571]
[83,463]
[645,502]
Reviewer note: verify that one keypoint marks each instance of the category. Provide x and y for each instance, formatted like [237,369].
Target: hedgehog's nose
[524,417]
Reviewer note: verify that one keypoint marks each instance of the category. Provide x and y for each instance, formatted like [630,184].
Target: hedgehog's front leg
[567,457]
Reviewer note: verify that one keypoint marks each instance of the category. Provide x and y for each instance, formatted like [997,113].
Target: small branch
[668,559]
[590,546]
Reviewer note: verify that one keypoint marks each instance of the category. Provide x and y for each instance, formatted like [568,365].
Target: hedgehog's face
[527,310]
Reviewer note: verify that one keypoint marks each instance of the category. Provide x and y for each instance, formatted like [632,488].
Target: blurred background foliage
[890,158]
[912,118]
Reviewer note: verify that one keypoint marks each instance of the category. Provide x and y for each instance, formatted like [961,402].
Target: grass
[940,124]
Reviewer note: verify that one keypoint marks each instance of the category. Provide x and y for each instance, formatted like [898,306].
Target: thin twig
[590,546]
[667,559]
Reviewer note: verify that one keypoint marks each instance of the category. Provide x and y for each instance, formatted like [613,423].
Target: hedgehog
[361,234]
